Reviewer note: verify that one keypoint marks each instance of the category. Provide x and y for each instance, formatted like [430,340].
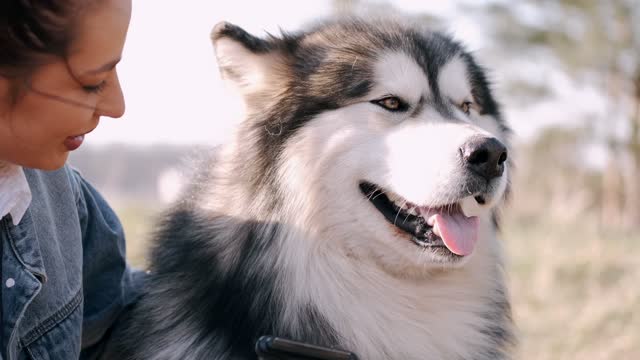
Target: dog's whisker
[400,210]
[372,195]
[396,218]
[381,193]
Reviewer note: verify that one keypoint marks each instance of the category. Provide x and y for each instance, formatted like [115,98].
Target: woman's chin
[49,163]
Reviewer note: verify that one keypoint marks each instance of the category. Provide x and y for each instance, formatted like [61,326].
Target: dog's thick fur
[275,236]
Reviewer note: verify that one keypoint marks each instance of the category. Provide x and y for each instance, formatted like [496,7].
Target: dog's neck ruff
[380,316]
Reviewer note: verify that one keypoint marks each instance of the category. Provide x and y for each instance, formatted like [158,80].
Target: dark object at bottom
[275,348]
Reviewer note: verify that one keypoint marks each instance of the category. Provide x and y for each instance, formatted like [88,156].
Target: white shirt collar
[15,195]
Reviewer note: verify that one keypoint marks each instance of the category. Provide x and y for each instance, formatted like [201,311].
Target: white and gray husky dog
[355,208]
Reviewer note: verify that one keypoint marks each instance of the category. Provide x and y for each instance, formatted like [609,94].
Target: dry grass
[137,222]
[575,289]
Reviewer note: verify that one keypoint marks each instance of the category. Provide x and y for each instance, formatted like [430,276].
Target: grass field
[575,288]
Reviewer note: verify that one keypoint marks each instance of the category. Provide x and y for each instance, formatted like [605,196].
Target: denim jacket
[65,280]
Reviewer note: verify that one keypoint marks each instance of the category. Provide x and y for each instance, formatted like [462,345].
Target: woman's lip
[73,142]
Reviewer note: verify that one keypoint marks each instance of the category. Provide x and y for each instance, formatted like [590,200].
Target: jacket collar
[15,195]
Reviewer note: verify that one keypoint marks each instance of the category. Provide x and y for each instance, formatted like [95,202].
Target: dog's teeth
[436,229]
[470,207]
[431,220]
[393,198]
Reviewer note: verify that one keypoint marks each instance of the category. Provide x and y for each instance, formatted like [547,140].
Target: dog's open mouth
[444,228]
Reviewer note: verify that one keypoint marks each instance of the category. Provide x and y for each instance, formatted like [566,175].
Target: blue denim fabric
[66,259]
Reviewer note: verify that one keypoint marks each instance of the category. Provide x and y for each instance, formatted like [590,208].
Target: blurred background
[568,75]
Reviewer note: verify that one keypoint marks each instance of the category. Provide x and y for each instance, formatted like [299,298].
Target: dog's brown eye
[392,103]
[466,107]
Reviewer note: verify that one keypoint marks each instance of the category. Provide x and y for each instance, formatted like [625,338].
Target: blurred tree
[594,42]
[566,192]
[379,8]
[634,208]
[343,6]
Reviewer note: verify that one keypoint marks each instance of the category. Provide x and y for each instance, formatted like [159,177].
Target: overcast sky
[172,87]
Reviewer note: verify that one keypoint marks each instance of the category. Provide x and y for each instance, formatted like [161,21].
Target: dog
[356,207]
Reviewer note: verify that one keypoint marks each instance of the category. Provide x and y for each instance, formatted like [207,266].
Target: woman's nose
[112,104]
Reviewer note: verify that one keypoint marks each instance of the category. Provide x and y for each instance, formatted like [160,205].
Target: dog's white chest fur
[441,315]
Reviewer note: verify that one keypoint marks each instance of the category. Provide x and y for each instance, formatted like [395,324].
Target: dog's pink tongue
[459,233]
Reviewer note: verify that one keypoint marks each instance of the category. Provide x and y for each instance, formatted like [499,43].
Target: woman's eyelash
[95,89]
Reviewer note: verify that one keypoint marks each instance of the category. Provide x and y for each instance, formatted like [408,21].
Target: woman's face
[64,100]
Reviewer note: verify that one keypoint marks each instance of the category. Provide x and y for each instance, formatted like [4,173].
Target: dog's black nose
[484,156]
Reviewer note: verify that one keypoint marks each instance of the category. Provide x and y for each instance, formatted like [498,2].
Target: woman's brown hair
[32,30]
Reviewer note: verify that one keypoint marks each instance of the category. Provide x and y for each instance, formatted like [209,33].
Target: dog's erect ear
[250,63]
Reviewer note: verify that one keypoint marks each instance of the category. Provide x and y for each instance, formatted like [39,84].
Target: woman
[65,281]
